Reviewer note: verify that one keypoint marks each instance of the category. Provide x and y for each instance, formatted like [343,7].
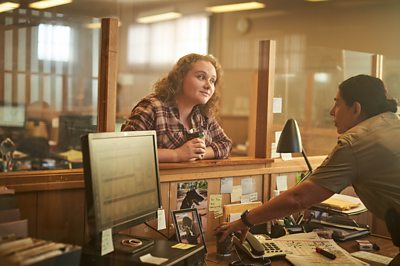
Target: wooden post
[108,75]
[377,65]
[264,99]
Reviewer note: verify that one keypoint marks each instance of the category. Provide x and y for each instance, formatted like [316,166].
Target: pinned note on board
[236,193]
[281,183]
[226,185]
[277,105]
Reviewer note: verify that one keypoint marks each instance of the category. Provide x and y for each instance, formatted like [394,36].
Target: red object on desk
[325,253]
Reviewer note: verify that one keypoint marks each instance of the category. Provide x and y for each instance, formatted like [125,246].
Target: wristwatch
[244,219]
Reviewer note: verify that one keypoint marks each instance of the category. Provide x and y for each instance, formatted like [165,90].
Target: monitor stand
[131,244]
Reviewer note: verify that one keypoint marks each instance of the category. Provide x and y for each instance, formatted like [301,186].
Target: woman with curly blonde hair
[182,111]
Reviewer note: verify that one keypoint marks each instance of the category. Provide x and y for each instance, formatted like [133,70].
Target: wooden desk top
[386,249]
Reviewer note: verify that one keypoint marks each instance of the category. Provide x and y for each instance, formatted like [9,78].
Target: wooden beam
[265,92]
[377,65]
[108,75]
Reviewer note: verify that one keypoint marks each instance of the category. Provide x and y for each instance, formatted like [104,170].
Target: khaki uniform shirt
[367,157]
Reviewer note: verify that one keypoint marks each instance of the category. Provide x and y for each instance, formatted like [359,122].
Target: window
[164,42]
[54,42]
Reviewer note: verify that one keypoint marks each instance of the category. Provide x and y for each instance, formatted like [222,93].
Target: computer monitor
[72,127]
[122,181]
[12,115]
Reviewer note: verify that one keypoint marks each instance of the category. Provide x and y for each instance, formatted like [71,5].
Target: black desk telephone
[259,246]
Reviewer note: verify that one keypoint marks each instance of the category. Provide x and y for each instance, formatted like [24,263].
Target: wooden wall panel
[28,205]
[61,216]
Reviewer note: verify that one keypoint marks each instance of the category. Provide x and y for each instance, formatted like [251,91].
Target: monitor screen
[70,129]
[121,179]
[12,115]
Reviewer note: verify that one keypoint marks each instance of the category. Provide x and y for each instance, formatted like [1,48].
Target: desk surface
[161,248]
[386,248]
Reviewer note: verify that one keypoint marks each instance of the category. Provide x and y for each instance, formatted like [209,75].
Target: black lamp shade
[290,139]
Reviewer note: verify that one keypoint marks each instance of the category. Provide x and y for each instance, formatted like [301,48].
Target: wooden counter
[54,201]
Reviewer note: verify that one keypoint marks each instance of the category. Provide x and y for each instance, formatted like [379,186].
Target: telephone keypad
[271,247]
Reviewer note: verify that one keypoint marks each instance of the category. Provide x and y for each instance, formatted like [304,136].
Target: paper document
[148,258]
[344,204]
[372,257]
[300,251]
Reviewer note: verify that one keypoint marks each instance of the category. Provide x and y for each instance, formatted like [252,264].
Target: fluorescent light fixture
[8,6]
[235,7]
[48,3]
[321,77]
[97,25]
[94,25]
[316,1]
[159,17]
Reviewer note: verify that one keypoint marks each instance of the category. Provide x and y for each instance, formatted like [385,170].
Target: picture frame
[188,227]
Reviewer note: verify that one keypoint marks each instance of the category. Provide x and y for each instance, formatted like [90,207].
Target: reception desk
[54,201]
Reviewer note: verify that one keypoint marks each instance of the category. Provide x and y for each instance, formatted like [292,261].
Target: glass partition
[391,77]
[48,84]
[306,85]
[48,88]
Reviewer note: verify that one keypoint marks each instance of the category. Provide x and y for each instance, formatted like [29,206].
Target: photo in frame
[193,194]
[188,226]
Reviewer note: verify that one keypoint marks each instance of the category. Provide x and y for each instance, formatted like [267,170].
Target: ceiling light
[97,25]
[48,3]
[158,17]
[316,0]
[8,6]
[235,7]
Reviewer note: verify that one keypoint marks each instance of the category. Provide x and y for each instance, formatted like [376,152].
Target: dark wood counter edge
[73,179]
[211,163]
[43,180]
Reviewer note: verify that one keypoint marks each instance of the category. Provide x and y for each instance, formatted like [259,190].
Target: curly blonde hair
[172,84]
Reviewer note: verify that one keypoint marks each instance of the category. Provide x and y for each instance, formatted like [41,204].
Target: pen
[325,253]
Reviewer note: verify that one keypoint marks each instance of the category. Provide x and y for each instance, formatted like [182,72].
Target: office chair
[392,219]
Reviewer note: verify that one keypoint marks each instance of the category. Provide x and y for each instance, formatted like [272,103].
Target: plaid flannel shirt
[153,114]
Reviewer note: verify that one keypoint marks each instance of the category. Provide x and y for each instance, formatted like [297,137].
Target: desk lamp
[290,142]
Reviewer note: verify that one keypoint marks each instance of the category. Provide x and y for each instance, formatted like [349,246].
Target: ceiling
[113,8]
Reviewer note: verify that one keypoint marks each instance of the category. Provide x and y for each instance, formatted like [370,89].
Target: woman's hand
[193,149]
[227,228]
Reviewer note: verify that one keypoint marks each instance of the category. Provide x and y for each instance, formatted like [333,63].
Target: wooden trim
[108,75]
[14,68]
[43,180]
[265,92]
[213,163]
[2,59]
[28,65]
[377,66]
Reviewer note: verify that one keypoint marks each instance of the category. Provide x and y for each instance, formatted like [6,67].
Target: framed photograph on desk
[188,226]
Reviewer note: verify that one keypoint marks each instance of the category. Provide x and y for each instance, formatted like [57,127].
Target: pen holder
[224,248]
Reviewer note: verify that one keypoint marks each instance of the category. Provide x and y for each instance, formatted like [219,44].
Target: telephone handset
[258,246]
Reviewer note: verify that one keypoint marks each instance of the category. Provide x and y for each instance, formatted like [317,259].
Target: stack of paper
[343,204]
[29,251]
[339,204]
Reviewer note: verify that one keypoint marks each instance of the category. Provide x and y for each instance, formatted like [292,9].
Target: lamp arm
[306,159]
